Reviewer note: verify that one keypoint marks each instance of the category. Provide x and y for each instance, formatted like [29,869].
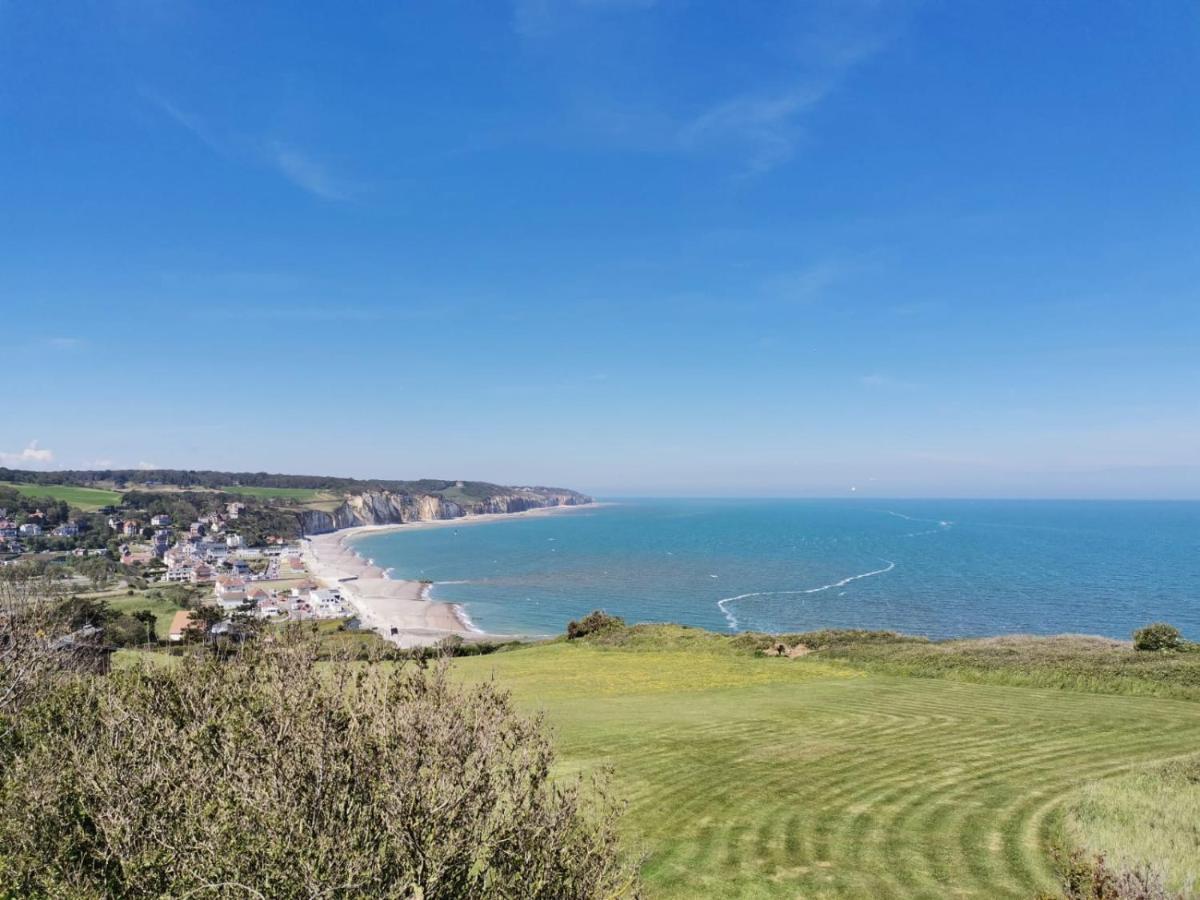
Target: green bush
[1156,637]
[270,775]
[595,621]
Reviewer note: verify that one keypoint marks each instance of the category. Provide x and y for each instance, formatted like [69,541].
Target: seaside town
[229,575]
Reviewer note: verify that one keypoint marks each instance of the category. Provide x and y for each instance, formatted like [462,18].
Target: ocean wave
[723,605]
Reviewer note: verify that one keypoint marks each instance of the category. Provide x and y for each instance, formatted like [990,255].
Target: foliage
[822,640]
[268,775]
[594,622]
[1158,636]
[1145,819]
[125,630]
[32,618]
[1095,665]
[471,490]
[1092,878]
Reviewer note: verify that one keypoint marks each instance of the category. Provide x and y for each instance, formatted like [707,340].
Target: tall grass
[1066,662]
[1146,819]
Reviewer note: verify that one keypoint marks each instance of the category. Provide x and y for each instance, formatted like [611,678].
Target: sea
[941,568]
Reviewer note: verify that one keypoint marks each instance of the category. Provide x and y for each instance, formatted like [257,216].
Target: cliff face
[387,508]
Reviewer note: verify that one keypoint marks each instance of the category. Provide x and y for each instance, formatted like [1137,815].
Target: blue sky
[943,248]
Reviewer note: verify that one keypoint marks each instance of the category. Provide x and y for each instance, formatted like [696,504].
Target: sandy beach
[400,611]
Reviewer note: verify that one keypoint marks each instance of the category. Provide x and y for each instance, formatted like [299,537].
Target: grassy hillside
[302,495]
[1075,663]
[762,777]
[87,499]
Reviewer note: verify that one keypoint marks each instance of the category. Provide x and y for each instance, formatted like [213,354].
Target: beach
[400,611]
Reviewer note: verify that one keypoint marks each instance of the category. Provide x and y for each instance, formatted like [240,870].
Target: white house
[232,589]
[30,529]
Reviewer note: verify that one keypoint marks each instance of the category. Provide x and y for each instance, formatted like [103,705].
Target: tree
[203,618]
[264,775]
[32,619]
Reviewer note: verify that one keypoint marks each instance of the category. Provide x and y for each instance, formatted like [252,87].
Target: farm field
[87,499]
[302,495]
[759,777]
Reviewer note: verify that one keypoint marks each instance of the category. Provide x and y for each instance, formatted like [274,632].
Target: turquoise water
[940,568]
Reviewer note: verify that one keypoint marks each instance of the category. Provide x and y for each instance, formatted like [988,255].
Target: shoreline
[400,611]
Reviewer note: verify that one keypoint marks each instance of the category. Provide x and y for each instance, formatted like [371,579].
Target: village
[268,581]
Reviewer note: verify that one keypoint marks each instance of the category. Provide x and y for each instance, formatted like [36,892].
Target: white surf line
[732,619]
[942,524]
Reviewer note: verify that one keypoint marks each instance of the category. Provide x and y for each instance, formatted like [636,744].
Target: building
[30,529]
[232,589]
[234,509]
[162,540]
[178,573]
[201,573]
[67,529]
[162,520]
[213,551]
[233,541]
[179,624]
[130,527]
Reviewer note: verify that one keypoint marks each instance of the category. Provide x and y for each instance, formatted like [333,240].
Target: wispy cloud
[307,174]
[31,455]
[768,123]
[759,115]
[189,122]
[765,124]
[298,166]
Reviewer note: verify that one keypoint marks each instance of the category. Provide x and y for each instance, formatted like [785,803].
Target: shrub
[1157,636]
[33,617]
[270,775]
[596,621]
[1091,878]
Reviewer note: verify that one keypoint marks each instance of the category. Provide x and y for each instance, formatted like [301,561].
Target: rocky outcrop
[388,508]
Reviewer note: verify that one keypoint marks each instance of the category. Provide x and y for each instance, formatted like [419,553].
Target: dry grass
[1147,818]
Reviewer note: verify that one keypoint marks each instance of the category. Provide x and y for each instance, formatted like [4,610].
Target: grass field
[302,495]
[758,777]
[87,499]
[164,610]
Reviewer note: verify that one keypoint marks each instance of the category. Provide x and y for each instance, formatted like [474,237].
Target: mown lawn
[756,777]
[87,499]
